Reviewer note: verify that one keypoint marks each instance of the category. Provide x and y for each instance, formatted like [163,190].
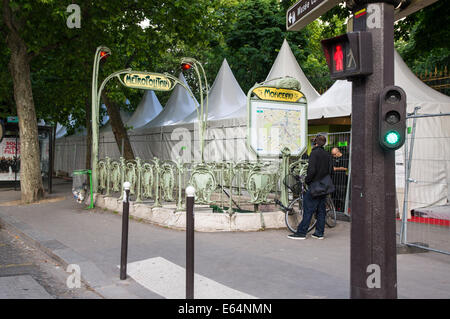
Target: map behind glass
[275,125]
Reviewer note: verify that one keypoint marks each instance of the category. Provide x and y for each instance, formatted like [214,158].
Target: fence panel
[426,207]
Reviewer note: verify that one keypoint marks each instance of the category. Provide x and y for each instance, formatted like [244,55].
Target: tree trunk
[31,185]
[120,133]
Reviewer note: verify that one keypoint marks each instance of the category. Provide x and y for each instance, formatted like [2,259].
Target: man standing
[319,165]
[340,167]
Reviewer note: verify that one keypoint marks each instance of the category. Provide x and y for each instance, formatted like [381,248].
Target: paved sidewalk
[28,273]
[22,287]
[262,264]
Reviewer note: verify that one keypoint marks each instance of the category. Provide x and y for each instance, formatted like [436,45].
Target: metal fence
[425,210]
[437,79]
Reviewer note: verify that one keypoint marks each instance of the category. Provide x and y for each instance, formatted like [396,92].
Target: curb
[205,219]
[91,275]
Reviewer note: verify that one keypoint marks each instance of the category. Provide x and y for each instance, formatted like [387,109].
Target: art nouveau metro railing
[216,183]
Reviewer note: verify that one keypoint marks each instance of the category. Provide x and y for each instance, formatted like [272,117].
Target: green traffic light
[392,137]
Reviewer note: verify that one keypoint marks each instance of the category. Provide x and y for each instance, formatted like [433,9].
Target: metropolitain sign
[147,81]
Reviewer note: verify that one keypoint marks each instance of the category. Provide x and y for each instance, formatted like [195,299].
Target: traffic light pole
[373,265]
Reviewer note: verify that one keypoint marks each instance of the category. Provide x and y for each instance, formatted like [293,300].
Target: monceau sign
[275,94]
[147,81]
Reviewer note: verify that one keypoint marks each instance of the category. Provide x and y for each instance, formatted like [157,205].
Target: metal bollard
[190,192]
[125,217]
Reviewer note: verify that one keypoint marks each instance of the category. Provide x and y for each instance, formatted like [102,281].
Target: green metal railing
[223,184]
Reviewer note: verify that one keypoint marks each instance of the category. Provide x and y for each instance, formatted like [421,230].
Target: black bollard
[190,192]
[125,217]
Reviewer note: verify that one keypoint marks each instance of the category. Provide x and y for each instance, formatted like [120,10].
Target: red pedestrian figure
[339,59]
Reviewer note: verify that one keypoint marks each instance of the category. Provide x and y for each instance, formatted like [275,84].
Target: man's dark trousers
[310,205]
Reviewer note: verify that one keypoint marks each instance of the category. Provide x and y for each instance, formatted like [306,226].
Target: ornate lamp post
[102,52]
[202,113]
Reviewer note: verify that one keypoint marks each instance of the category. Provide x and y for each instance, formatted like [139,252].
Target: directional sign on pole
[306,11]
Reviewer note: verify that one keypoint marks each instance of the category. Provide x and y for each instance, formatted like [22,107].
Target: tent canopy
[148,108]
[225,98]
[286,65]
[179,105]
[60,131]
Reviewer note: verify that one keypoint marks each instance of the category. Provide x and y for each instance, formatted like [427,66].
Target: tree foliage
[422,38]
[254,34]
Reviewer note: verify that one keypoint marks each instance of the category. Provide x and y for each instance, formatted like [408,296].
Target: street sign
[12,119]
[305,11]
[147,81]
[274,94]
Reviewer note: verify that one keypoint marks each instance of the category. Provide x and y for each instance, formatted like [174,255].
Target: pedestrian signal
[349,55]
[392,118]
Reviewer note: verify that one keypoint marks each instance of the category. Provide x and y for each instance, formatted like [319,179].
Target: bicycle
[294,210]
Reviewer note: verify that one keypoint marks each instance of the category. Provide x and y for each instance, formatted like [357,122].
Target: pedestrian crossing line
[169,281]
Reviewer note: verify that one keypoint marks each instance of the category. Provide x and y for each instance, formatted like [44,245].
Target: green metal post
[95,116]
[284,172]
[108,176]
[202,115]
[91,205]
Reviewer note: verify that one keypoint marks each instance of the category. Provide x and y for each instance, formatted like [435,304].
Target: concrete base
[205,219]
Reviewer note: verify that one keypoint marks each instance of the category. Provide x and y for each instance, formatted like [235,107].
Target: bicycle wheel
[294,215]
[330,217]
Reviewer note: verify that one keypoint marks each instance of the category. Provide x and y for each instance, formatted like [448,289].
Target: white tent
[286,65]
[60,131]
[429,143]
[227,117]
[335,102]
[179,105]
[225,97]
[161,137]
[147,110]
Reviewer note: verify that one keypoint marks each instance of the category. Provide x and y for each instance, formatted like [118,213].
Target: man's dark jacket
[319,165]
